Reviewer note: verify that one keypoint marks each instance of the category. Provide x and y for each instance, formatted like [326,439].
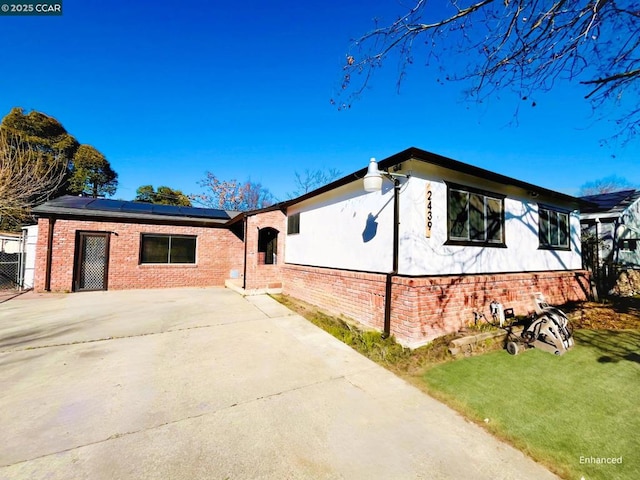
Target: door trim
[78,258]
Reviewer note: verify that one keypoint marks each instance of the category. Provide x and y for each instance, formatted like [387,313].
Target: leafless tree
[312,179]
[232,194]
[609,184]
[27,178]
[523,45]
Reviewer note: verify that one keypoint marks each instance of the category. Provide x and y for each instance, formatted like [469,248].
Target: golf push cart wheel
[512,348]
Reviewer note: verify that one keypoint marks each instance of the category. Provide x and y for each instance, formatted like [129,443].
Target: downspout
[244,274]
[394,269]
[47,275]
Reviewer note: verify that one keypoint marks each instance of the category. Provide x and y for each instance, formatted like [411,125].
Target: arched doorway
[267,246]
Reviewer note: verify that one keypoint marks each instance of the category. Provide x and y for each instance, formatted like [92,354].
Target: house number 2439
[429,213]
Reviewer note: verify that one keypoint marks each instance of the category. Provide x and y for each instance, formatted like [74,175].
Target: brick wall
[259,275]
[427,307]
[218,252]
[355,294]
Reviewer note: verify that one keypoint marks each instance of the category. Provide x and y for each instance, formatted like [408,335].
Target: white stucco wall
[420,255]
[350,229]
[346,228]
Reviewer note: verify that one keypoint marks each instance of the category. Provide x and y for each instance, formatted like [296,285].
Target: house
[613,220]
[418,259]
[438,242]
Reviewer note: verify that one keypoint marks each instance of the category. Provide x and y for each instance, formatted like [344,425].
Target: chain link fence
[11,262]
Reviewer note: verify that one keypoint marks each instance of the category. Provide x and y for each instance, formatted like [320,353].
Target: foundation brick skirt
[424,308]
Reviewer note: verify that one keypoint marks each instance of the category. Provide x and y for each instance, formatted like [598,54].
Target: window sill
[166,265]
[467,243]
[549,247]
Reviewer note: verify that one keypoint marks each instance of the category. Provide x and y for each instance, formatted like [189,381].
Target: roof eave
[414,153]
[61,212]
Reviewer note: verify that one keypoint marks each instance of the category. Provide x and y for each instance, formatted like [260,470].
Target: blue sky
[169,90]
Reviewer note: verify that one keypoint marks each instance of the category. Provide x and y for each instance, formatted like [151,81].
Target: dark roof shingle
[103,207]
[612,202]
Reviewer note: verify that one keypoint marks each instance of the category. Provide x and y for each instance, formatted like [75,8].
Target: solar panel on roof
[176,211]
[607,201]
[71,202]
[103,204]
[166,210]
[206,212]
[136,208]
[212,211]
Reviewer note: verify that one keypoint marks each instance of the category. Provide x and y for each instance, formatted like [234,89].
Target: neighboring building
[614,220]
[94,244]
[414,261]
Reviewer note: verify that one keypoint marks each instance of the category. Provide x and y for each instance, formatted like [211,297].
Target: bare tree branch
[312,179]
[232,194]
[27,177]
[601,82]
[609,184]
[525,46]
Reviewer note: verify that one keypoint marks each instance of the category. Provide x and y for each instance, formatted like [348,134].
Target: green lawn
[585,403]
[556,409]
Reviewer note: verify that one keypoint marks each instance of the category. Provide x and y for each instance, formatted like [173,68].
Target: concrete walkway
[206,384]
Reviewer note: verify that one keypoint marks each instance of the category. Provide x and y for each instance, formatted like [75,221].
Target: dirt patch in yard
[615,313]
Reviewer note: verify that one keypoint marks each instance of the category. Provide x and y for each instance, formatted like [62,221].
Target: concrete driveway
[203,383]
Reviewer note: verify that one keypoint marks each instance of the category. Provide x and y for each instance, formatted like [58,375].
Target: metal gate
[11,260]
[92,261]
[9,271]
